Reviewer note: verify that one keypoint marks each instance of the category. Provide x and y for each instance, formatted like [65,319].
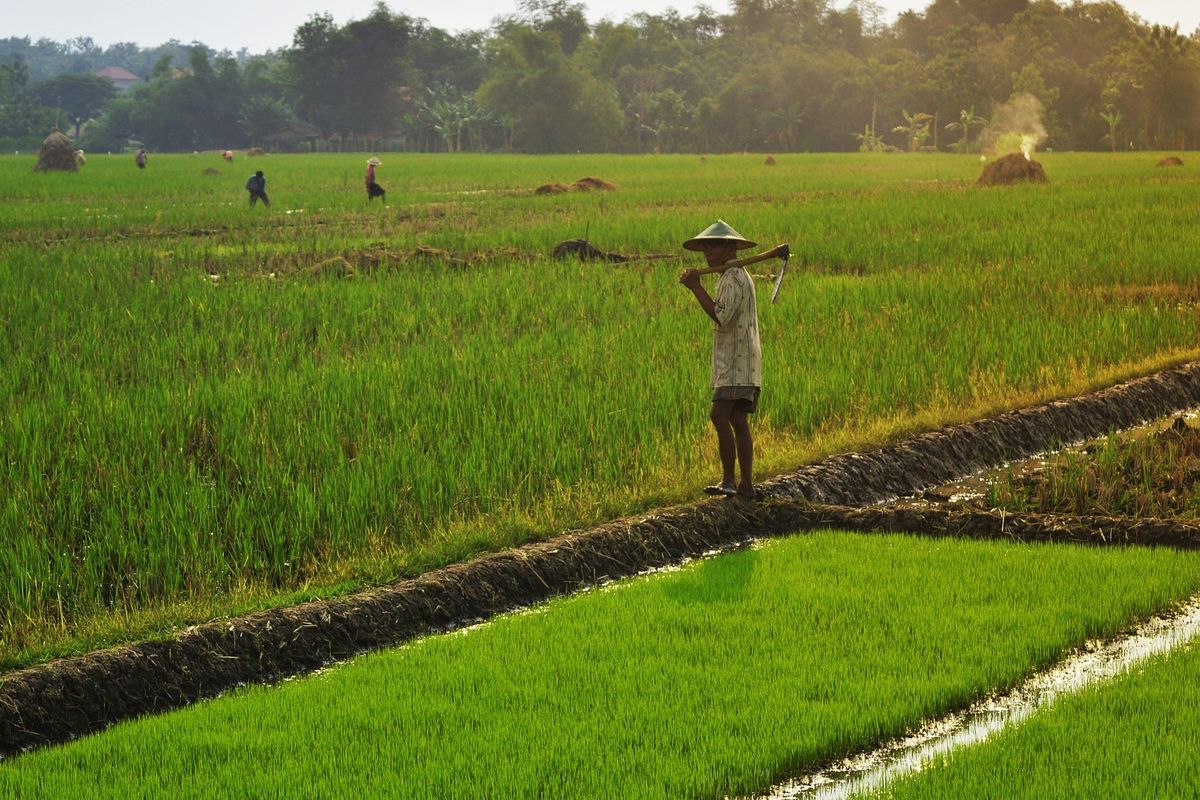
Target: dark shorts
[745,397]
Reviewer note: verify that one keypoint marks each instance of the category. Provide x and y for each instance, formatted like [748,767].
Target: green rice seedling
[213,407]
[1133,738]
[1142,476]
[715,679]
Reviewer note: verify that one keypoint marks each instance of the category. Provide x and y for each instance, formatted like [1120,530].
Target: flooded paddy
[1096,662]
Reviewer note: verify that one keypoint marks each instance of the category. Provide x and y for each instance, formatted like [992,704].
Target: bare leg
[740,424]
[726,441]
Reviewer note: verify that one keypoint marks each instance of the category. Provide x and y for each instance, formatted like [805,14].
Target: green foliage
[263,118]
[80,96]
[556,105]
[1134,738]
[796,75]
[915,129]
[112,132]
[20,114]
[175,437]
[967,119]
[1151,476]
[713,680]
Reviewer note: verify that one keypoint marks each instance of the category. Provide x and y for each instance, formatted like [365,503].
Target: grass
[718,678]
[1134,738]
[1156,474]
[180,446]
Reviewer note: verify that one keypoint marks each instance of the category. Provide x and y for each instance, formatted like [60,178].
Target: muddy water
[871,771]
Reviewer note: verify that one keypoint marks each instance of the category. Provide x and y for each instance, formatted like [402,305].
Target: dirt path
[71,697]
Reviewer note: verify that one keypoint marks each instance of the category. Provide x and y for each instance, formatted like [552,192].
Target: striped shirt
[737,355]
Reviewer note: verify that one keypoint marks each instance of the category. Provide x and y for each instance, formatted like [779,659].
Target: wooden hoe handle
[780,251]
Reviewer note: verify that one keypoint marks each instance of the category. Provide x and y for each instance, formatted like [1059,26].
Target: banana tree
[966,119]
[916,130]
[1112,117]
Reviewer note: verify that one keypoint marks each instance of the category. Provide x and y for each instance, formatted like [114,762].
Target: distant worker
[736,377]
[140,158]
[373,189]
[257,187]
[227,155]
[80,159]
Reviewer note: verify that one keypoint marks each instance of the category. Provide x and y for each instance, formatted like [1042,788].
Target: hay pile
[255,151]
[588,184]
[1012,168]
[57,153]
[770,161]
[436,255]
[1171,161]
[585,251]
[212,171]
[592,185]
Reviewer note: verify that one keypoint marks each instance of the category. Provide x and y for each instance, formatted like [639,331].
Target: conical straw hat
[718,231]
[374,162]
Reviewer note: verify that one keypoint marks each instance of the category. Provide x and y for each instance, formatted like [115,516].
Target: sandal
[724,491]
[756,495]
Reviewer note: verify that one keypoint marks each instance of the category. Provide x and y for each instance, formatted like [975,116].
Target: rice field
[1131,739]
[212,408]
[717,678]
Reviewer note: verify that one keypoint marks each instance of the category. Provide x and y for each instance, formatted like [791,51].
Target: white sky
[262,25]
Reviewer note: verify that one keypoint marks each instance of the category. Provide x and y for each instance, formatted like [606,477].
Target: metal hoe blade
[779,275]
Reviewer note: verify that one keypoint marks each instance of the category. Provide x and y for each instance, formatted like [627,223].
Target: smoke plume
[1015,126]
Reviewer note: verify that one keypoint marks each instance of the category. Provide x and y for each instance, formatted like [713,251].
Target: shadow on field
[714,580]
[70,697]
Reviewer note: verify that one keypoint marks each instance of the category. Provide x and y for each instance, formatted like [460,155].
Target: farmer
[140,158]
[736,355]
[257,187]
[373,189]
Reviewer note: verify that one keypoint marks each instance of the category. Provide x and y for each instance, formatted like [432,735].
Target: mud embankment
[942,456]
[979,524]
[71,697]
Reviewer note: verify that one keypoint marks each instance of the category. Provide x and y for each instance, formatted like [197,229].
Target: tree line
[771,75]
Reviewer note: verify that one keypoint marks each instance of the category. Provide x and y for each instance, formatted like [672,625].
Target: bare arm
[691,279]
[777,251]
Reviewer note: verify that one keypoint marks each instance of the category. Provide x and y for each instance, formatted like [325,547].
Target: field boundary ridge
[71,697]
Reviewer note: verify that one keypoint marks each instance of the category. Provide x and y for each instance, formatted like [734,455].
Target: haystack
[255,151]
[552,188]
[1012,168]
[769,161]
[436,255]
[211,171]
[585,251]
[592,184]
[1171,161]
[57,153]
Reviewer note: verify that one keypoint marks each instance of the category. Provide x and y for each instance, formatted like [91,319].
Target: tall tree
[79,95]
[557,106]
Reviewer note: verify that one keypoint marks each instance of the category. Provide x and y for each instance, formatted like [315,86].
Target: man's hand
[690,278]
